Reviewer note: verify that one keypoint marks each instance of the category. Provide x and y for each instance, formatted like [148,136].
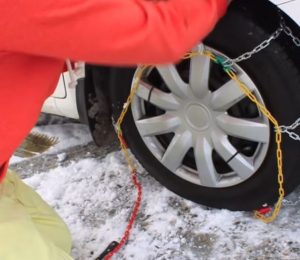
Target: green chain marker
[222,62]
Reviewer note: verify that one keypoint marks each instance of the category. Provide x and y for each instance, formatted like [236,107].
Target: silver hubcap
[192,128]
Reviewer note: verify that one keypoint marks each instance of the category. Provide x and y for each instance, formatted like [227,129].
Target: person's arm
[107,31]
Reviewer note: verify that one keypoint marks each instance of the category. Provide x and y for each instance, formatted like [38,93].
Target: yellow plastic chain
[118,128]
[248,93]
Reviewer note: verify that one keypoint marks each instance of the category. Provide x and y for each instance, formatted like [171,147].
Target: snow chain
[227,66]
[282,28]
[287,129]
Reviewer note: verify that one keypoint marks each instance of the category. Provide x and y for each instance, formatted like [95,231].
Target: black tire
[278,81]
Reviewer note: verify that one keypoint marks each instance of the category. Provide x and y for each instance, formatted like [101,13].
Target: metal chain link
[263,45]
[287,30]
[229,63]
[288,129]
[257,49]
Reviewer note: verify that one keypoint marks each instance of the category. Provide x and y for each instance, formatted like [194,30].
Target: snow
[95,197]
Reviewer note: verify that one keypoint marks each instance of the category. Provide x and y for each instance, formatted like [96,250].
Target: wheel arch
[93,100]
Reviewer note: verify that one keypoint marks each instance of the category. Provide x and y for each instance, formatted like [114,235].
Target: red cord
[132,217]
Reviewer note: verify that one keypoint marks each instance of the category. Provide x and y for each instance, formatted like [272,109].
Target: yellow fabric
[29,228]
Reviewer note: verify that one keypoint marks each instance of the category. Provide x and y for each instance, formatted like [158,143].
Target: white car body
[290,7]
[63,100]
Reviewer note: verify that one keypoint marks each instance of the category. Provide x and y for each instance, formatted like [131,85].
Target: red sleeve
[3,169]
[107,31]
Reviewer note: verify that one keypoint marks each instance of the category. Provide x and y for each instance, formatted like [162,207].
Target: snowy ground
[91,189]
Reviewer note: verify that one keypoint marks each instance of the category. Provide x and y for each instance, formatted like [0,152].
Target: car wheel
[193,129]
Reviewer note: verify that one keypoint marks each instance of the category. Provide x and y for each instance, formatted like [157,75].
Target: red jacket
[37,35]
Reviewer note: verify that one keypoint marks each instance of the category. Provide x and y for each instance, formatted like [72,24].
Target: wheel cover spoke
[229,94]
[222,145]
[205,166]
[199,75]
[177,150]
[157,125]
[242,166]
[244,129]
[165,101]
[173,80]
